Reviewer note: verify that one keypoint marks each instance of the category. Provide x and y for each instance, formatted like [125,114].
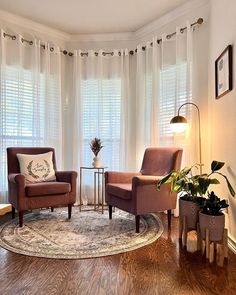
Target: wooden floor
[160,268]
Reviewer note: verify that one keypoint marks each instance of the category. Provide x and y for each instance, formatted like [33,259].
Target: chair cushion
[37,168]
[47,188]
[120,190]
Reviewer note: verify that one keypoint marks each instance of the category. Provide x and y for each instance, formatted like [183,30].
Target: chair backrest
[12,160]
[161,160]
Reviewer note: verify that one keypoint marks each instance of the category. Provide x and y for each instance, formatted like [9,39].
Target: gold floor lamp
[179,124]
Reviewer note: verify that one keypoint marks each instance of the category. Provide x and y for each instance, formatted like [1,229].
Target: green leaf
[214,181]
[215,165]
[176,188]
[223,204]
[163,180]
[232,192]
[203,184]
[230,187]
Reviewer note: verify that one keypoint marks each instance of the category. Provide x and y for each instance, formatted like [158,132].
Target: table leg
[102,191]
[80,189]
[207,243]
[98,188]
[95,192]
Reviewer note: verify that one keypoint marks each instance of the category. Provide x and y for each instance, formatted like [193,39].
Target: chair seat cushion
[47,188]
[120,190]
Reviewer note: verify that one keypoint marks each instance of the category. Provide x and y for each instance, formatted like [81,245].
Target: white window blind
[23,112]
[173,93]
[101,104]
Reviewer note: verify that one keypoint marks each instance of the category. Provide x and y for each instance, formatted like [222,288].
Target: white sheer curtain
[164,82]
[101,85]
[147,97]
[30,98]
[176,89]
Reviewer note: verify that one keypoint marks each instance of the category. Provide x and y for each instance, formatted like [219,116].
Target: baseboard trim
[232,245]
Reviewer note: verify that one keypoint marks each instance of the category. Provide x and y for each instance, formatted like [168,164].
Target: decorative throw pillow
[37,168]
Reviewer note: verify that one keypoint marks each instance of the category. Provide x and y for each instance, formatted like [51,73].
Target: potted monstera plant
[212,217]
[193,188]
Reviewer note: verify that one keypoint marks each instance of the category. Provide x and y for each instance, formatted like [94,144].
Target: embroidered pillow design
[37,168]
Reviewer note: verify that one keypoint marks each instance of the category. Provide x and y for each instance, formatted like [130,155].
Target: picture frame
[223,72]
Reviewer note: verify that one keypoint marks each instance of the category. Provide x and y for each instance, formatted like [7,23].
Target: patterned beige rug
[88,234]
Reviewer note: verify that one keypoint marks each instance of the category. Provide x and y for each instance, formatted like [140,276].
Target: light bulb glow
[178,127]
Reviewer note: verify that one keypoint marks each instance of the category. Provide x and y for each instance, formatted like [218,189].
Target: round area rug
[87,234]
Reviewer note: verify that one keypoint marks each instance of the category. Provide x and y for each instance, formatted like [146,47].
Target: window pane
[173,93]
[101,103]
[24,103]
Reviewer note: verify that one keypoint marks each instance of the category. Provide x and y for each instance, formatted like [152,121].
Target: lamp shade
[178,124]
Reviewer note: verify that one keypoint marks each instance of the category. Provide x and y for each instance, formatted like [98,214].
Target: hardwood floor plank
[162,268]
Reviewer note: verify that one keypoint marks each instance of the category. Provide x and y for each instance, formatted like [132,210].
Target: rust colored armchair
[27,196]
[137,193]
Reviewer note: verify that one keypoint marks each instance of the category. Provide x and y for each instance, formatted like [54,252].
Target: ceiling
[91,16]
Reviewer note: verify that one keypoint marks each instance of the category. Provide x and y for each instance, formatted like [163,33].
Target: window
[173,93]
[24,113]
[101,104]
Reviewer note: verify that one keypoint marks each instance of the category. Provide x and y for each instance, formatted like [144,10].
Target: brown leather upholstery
[24,196]
[137,193]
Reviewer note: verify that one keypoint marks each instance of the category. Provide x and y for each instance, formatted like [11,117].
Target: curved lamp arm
[180,119]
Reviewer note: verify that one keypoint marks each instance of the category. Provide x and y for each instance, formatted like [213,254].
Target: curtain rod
[131,52]
[30,42]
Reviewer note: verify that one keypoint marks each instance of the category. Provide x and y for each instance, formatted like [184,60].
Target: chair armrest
[145,180]
[148,198]
[17,178]
[119,177]
[16,190]
[66,176]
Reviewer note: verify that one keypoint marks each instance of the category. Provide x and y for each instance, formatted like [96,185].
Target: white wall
[223,110]
[14,24]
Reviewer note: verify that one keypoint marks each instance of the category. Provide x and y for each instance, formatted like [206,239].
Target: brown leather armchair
[27,196]
[137,192]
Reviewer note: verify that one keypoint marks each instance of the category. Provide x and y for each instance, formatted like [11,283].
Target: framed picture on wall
[223,72]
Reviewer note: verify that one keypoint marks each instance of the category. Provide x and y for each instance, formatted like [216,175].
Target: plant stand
[221,247]
[184,229]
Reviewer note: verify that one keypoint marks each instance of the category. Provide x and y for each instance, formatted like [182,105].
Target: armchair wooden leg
[137,222]
[52,209]
[169,218]
[110,212]
[21,214]
[13,212]
[69,211]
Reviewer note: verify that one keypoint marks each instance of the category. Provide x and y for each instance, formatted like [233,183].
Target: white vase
[96,162]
